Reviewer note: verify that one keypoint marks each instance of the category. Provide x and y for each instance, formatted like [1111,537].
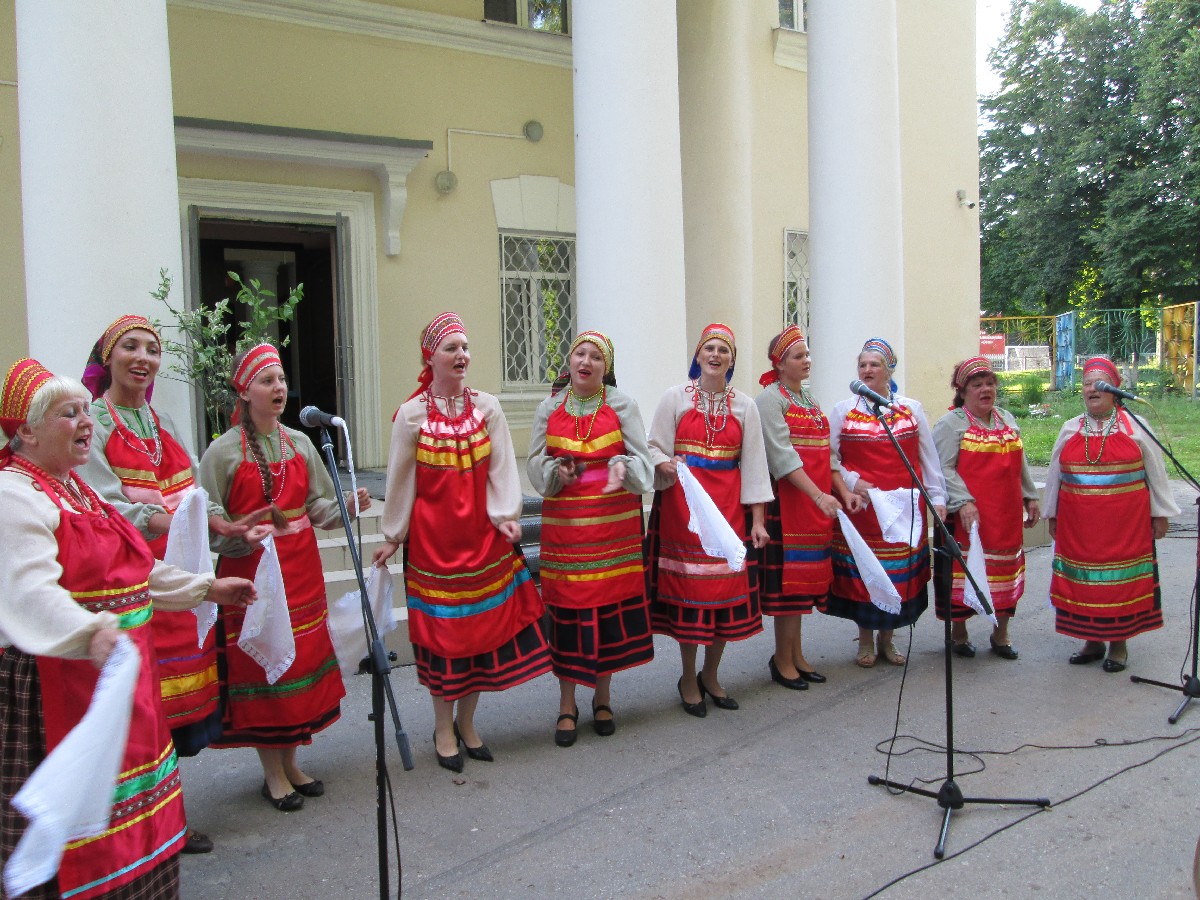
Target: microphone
[311,417]
[1117,392]
[878,399]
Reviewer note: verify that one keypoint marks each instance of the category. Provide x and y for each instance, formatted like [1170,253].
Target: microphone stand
[949,796]
[381,685]
[1191,685]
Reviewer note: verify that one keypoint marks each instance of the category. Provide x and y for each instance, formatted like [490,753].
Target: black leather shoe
[1083,657]
[288,803]
[314,788]
[197,843]
[795,684]
[1113,666]
[725,702]
[1004,651]
[699,710]
[481,753]
[812,677]
[603,727]
[454,762]
[565,737]
[966,650]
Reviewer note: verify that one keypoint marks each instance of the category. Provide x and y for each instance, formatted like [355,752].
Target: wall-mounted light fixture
[446,181]
[962,199]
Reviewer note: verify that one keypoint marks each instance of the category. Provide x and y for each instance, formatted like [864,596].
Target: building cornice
[395,23]
[791,49]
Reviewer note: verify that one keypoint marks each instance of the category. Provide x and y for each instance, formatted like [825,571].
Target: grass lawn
[1175,420]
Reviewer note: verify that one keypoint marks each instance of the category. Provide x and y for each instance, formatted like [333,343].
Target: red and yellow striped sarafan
[591,541]
[1105,581]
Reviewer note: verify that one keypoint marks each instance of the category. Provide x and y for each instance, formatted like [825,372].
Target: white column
[629,201]
[857,288]
[717,127]
[100,196]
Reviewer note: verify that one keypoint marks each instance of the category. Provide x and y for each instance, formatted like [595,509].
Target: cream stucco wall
[939,156]
[14,341]
[274,73]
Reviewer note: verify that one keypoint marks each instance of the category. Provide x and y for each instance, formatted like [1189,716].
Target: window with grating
[537,307]
[795,279]
[540,15]
[793,15]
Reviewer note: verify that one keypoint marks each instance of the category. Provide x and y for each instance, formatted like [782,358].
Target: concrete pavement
[769,801]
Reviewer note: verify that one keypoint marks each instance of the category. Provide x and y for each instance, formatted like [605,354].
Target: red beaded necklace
[78,495]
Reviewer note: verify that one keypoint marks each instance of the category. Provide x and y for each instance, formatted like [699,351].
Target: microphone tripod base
[1190,690]
[949,797]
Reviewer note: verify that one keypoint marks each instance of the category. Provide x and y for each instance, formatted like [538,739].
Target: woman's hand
[258,533]
[569,471]
[511,530]
[968,515]
[861,487]
[1160,524]
[232,592]
[238,527]
[759,536]
[940,510]
[385,551]
[1033,513]
[160,523]
[364,501]
[668,471]
[101,645]
[827,504]
[1050,522]
[616,477]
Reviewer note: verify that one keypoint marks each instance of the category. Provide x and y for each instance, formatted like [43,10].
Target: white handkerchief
[70,795]
[977,566]
[267,636]
[708,523]
[187,548]
[897,511]
[880,588]
[346,622]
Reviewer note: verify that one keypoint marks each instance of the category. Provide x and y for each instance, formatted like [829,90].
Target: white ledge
[791,49]
[390,160]
[379,20]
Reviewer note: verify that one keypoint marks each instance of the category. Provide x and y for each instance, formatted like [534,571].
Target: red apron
[687,576]
[807,532]
[591,541]
[468,591]
[106,566]
[312,687]
[187,672]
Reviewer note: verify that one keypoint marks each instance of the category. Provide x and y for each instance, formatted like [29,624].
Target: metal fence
[1162,340]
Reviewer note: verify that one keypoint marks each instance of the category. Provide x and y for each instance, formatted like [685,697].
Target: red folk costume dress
[864,451]
[696,598]
[592,571]
[473,610]
[1103,490]
[984,464]
[140,476]
[108,570]
[795,568]
[306,699]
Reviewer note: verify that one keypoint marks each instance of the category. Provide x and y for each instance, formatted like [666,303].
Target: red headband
[22,383]
[256,359]
[787,339]
[1105,365]
[968,369]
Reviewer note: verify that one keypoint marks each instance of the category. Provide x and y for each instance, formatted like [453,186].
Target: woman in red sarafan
[453,500]
[588,457]
[1107,501]
[91,578]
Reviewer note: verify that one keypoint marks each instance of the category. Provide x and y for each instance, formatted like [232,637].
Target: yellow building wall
[939,156]
[14,341]
[274,73]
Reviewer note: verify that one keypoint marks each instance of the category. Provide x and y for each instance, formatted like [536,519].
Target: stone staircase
[339,567]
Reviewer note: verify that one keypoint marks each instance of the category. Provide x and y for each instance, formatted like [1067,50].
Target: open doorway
[280,256]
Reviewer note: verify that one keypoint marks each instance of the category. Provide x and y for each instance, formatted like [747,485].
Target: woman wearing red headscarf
[453,499]
[260,463]
[588,457]
[1107,501]
[795,568]
[987,482]
[76,579]
[696,598]
[140,467]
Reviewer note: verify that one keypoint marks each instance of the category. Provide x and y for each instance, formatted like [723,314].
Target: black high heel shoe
[453,763]
[699,710]
[725,702]
[795,684]
[481,753]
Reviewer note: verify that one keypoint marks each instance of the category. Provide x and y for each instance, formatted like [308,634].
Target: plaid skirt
[587,644]
[22,748]
[697,625]
[514,662]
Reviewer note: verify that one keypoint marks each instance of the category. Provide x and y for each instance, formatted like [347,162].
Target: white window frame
[522,8]
[535,280]
[799,15]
